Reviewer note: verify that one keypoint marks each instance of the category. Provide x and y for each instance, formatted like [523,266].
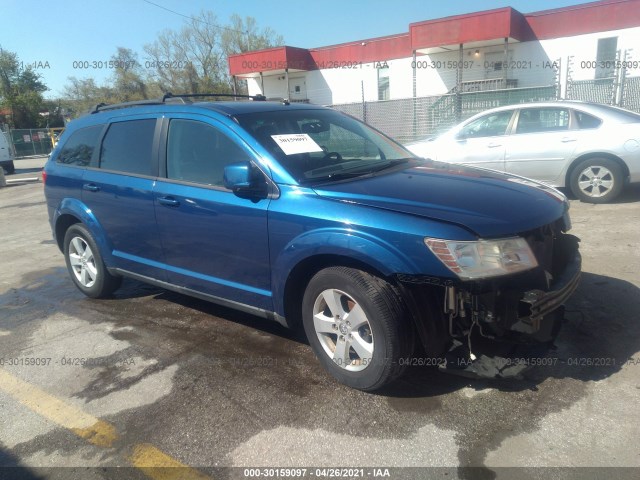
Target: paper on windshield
[294,143]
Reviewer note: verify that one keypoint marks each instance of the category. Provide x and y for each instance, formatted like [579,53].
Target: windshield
[323,145]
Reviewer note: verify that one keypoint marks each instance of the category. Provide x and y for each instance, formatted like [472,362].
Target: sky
[53,35]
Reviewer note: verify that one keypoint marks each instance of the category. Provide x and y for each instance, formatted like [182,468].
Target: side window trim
[512,122]
[96,157]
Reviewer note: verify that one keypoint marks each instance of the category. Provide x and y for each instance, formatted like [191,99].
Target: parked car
[6,155]
[306,216]
[594,149]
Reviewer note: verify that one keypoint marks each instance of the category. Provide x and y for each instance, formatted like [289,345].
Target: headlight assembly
[483,258]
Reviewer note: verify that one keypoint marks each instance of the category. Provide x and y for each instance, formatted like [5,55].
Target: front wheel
[597,180]
[85,264]
[355,323]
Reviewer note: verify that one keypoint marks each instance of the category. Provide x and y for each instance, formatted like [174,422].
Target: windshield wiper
[391,163]
[332,177]
[342,175]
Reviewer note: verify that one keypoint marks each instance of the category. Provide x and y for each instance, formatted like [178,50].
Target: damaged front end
[492,321]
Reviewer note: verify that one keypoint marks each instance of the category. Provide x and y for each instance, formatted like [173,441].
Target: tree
[195,59]
[20,91]
[129,82]
[54,114]
[80,94]
[191,60]
[188,61]
[244,36]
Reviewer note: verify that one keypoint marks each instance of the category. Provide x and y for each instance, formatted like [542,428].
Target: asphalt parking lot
[165,386]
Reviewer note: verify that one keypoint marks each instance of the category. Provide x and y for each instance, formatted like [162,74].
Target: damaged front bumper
[493,323]
[542,304]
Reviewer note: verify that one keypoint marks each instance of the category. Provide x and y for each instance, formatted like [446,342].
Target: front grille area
[552,248]
[528,306]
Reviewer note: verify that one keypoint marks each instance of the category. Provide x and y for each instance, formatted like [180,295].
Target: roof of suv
[224,108]
[234,108]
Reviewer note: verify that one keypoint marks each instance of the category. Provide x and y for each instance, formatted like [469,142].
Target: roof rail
[101,107]
[259,98]
[284,101]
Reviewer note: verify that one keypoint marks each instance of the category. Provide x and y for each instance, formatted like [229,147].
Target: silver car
[593,149]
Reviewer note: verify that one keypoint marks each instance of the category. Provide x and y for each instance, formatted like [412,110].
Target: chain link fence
[409,119]
[601,90]
[620,86]
[631,94]
[32,141]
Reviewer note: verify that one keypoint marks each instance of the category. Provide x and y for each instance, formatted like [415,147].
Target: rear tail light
[44,177]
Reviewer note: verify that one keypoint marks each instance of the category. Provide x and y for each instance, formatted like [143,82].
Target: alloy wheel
[343,330]
[82,262]
[596,181]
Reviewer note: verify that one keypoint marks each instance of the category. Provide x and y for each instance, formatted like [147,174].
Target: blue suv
[306,216]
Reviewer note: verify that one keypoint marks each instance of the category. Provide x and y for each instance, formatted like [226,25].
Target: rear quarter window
[586,121]
[80,147]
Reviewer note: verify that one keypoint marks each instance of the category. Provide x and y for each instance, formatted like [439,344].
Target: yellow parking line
[160,466]
[151,461]
[86,426]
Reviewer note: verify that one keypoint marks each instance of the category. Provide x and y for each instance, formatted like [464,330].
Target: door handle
[91,187]
[494,145]
[168,201]
[567,140]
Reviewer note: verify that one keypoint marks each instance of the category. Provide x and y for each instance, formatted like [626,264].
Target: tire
[597,180]
[366,354]
[85,265]
[9,168]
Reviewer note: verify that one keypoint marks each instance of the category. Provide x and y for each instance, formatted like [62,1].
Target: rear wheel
[85,264]
[597,180]
[355,323]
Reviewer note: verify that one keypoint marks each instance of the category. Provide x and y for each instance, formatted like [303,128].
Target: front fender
[356,245]
[77,209]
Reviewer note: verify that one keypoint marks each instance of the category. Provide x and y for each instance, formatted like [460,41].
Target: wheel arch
[587,156]
[63,223]
[72,211]
[303,271]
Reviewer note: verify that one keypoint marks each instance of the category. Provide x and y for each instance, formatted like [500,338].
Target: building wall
[532,64]
[584,48]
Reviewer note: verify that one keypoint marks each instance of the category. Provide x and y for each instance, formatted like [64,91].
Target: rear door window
[540,120]
[128,147]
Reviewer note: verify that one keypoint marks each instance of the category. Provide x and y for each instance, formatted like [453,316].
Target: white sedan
[594,149]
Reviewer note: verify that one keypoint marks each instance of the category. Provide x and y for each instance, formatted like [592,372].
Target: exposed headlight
[483,258]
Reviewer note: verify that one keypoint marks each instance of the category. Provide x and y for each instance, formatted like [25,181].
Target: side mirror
[242,180]
[237,176]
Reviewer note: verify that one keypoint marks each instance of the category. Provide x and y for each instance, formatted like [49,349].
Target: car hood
[486,202]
